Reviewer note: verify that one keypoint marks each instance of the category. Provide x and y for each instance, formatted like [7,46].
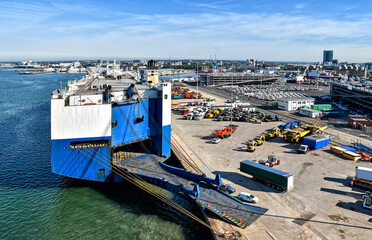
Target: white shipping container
[363,173]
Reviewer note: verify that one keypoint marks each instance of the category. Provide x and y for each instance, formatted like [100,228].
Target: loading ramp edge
[223,205]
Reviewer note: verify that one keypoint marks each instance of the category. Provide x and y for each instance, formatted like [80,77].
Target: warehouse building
[356,97]
[294,103]
[220,79]
[357,121]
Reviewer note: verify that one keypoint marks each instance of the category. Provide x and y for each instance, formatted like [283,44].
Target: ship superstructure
[106,116]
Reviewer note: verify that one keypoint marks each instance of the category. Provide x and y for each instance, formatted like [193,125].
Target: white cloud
[227,34]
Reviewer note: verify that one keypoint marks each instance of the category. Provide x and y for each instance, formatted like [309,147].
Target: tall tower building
[327,56]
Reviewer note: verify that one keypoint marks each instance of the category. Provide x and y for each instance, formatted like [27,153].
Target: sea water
[38,204]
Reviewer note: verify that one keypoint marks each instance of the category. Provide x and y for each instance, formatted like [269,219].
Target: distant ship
[314,74]
[73,70]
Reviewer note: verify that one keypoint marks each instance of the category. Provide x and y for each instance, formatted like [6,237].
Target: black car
[226,189]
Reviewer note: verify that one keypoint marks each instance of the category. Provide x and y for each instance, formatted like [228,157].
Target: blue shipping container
[349,148]
[316,141]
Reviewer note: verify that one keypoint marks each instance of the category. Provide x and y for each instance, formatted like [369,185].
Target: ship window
[101,170]
[166,96]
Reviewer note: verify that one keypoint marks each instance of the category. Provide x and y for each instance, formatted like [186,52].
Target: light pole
[197,81]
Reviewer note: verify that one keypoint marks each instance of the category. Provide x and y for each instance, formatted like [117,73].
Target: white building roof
[295,99]
[310,110]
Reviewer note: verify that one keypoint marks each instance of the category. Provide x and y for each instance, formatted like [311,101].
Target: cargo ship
[113,130]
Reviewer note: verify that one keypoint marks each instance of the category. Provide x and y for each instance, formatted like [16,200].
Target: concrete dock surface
[322,204]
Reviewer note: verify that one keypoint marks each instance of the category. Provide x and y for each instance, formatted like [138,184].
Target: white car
[216,140]
[247,197]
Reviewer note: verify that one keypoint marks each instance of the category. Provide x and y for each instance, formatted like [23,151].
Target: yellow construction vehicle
[259,140]
[251,146]
[216,111]
[315,129]
[295,135]
[209,115]
[276,131]
[273,132]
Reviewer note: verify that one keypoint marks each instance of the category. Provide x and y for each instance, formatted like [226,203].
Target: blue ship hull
[133,121]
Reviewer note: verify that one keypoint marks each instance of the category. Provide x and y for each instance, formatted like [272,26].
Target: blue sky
[261,29]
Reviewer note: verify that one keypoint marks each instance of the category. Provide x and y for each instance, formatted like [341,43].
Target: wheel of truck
[278,188]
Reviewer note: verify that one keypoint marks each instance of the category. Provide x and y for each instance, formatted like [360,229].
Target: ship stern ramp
[199,189]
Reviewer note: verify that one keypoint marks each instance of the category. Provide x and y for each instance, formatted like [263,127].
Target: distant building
[291,104]
[368,66]
[251,62]
[327,56]
[178,63]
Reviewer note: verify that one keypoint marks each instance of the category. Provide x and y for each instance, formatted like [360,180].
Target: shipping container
[316,141]
[363,173]
[272,177]
[322,106]
[363,178]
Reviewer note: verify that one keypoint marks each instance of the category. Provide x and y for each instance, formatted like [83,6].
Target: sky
[271,30]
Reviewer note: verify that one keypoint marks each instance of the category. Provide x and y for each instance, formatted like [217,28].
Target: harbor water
[38,204]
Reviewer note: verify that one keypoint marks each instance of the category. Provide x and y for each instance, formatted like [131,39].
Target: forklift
[270,162]
[251,146]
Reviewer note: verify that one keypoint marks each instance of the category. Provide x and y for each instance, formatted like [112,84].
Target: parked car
[226,189]
[216,140]
[247,197]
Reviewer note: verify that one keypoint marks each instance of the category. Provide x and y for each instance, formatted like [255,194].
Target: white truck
[363,178]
